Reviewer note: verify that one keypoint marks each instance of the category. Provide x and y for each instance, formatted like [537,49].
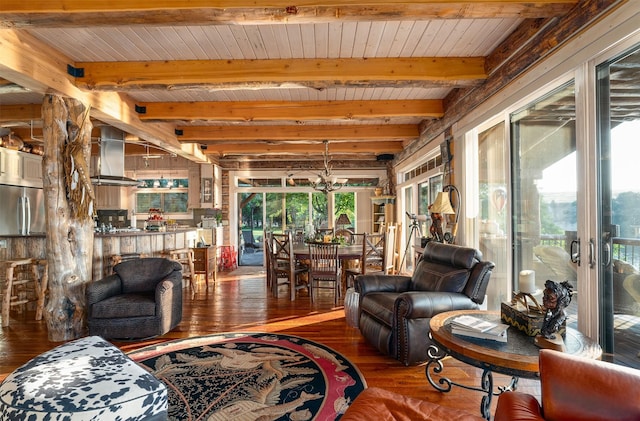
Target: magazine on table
[497,333]
[472,323]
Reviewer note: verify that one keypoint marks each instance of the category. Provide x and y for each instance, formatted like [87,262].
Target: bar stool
[19,275]
[228,257]
[185,258]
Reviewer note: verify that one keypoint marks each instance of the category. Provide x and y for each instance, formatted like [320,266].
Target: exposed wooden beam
[264,148]
[289,110]
[30,63]
[372,133]
[20,112]
[120,76]
[77,13]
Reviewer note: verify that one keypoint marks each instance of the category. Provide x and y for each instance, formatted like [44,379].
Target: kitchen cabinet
[20,168]
[382,211]
[31,169]
[9,166]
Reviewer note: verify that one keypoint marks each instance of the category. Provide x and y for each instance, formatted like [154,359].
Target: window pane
[297,211]
[345,203]
[492,187]
[545,189]
[146,201]
[274,204]
[175,202]
[320,210]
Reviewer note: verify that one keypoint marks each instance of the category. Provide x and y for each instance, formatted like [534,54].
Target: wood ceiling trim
[263,148]
[77,13]
[187,73]
[290,110]
[371,133]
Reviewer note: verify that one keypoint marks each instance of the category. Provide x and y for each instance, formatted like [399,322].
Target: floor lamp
[442,206]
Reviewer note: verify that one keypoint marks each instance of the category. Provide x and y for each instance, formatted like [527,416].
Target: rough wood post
[69,246]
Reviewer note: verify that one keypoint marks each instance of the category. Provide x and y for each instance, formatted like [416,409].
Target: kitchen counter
[105,245]
[146,243]
[129,232]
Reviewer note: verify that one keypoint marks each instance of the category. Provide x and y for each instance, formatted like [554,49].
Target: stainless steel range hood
[109,170]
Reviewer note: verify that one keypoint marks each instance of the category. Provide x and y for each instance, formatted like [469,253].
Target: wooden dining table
[345,252]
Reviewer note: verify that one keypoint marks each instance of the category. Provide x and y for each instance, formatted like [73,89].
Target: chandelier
[325,181]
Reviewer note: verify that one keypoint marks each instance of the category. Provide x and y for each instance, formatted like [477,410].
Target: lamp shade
[343,219]
[442,204]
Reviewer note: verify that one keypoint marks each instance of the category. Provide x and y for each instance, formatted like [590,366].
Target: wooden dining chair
[324,268]
[268,250]
[372,259]
[285,267]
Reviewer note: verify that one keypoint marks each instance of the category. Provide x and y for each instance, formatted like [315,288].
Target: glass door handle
[607,255]
[575,251]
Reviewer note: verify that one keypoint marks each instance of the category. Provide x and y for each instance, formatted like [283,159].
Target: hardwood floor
[240,301]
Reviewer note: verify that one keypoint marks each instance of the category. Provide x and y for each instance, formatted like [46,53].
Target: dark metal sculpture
[556,297]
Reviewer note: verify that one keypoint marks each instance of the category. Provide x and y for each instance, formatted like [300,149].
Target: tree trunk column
[69,207]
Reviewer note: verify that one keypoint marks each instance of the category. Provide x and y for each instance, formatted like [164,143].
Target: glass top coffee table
[518,357]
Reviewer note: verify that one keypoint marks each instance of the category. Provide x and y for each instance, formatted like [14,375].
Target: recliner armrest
[476,287]
[103,289]
[366,284]
[426,304]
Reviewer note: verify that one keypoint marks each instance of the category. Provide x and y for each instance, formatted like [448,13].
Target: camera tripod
[415,227]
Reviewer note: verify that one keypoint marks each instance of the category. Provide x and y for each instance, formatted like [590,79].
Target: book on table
[497,333]
[473,323]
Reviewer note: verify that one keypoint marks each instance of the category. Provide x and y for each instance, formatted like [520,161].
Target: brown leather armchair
[395,310]
[575,388]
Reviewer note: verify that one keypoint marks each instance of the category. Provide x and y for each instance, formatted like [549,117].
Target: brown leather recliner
[395,310]
[576,388]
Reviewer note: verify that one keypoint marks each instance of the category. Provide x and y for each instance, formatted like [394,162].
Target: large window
[170,195]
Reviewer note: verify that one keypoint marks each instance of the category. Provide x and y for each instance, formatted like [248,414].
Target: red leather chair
[383,405]
[574,388]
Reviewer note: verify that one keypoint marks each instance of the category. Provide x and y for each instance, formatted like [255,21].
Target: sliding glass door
[618,87]
[545,193]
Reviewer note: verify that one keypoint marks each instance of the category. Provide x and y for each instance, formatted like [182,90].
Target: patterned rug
[252,376]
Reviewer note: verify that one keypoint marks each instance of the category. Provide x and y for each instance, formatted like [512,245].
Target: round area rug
[252,376]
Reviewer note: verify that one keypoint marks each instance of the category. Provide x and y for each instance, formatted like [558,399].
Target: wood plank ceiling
[257,80]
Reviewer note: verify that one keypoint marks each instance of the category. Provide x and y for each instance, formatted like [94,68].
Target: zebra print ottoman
[86,379]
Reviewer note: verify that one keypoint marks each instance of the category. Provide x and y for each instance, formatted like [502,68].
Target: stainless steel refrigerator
[21,210]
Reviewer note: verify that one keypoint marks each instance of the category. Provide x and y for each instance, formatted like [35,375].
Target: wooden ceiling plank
[185,73]
[263,148]
[290,111]
[202,134]
[78,13]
